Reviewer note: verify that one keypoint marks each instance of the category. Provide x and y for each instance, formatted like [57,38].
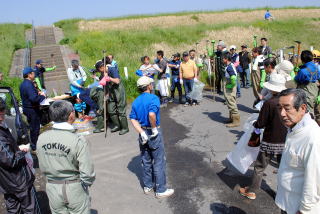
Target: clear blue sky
[46,12]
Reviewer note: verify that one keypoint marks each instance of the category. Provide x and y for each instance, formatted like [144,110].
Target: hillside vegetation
[12,37]
[130,38]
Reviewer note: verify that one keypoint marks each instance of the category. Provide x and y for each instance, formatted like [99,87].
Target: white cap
[233,47]
[144,81]
[276,83]
[284,67]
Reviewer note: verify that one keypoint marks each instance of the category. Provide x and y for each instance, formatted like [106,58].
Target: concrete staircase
[47,49]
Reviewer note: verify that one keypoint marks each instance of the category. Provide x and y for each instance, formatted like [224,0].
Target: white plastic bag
[163,87]
[196,93]
[243,155]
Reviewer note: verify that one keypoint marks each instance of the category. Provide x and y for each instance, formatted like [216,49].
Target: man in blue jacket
[31,99]
[308,79]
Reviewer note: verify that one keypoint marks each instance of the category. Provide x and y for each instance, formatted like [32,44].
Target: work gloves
[233,82]
[263,78]
[144,137]
[154,132]
[318,100]
[181,81]
[195,80]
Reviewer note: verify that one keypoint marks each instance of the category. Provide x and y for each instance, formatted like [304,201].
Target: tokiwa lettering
[57,146]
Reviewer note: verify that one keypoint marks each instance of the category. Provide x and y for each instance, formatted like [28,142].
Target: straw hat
[276,83]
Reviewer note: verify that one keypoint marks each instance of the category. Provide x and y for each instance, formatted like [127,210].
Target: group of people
[289,109]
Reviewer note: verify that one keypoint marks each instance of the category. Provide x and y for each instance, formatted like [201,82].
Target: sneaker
[186,104]
[245,192]
[171,100]
[194,103]
[147,190]
[165,194]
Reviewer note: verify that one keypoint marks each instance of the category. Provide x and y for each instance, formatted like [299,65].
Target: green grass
[12,37]
[129,45]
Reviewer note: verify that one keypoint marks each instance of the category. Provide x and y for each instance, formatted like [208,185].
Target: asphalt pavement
[197,143]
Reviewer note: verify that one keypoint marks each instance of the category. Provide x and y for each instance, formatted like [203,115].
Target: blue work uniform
[31,108]
[152,153]
[175,82]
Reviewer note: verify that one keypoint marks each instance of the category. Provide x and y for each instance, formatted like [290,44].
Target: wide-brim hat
[144,81]
[276,83]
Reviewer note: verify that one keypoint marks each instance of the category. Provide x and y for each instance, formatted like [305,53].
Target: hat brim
[275,88]
[291,84]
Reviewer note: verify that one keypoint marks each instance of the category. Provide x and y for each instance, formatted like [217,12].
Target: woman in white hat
[274,134]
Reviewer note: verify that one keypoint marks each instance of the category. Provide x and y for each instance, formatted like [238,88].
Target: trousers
[260,165]
[33,117]
[22,202]
[255,81]
[74,200]
[231,100]
[153,162]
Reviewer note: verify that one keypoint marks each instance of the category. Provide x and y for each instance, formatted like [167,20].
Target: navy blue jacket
[29,95]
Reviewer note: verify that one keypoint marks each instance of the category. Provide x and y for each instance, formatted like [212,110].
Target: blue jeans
[245,77]
[188,85]
[175,83]
[238,86]
[153,162]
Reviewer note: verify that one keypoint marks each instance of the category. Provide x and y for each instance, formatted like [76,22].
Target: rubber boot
[116,123]
[235,121]
[100,125]
[229,120]
[123,125]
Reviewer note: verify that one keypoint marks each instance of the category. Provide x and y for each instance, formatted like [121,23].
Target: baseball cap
[185,54]
[221,43]
[233,47]
[176,55]
[98,64]
[244,46]
[39,61]
[27,70]
[144,81]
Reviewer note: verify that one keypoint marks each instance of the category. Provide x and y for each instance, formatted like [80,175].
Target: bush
[64,41]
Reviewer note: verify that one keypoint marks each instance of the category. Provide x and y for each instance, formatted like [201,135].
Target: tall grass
[129,45]
[12,37]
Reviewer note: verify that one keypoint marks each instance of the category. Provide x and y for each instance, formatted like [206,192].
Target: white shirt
[299,171]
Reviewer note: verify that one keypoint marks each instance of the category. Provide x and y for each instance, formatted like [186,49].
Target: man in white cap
[274,135]
[145,117]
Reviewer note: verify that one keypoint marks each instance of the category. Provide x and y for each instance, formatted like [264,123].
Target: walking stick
[299,50]
[213,69]
[105,98]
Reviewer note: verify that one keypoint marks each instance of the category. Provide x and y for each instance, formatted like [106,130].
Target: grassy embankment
[130,38]
[12,37]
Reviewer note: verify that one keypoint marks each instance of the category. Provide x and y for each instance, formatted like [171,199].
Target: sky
[46,12]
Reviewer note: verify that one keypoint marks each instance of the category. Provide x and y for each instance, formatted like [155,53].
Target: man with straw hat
[274,135]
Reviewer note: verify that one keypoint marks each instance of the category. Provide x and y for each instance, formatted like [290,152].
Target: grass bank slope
[129,39]
[12,37]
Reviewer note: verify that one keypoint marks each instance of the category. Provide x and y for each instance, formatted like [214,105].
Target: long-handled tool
[255,42]
[105,100]
[299,52]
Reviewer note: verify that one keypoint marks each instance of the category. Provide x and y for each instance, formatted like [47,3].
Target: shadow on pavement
[216,116]
[216,98]
[218,208]
[92,211]
[237,133]
[246,109]
[135,167]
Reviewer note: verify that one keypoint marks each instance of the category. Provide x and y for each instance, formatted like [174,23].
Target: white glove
[195,80]
[181,81]
[144,138]
[25,148]
[154,132]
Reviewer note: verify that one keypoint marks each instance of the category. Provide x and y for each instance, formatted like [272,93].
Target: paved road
[197,144]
